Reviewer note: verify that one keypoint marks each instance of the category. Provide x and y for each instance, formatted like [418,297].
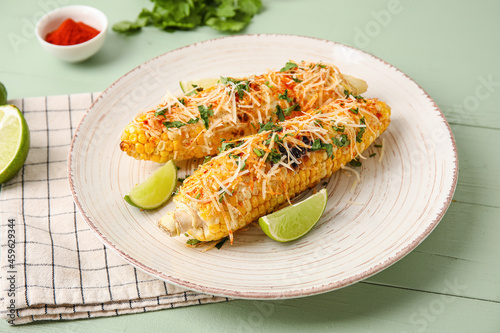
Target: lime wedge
[14,141]
[156,189]
[295,221]
[3,94]
[201,83]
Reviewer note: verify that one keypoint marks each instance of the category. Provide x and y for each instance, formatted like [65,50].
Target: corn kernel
[177,145]
[132,138]
[139,147]
[149,148]
[169,146]
[164,136]
[142,138]
[155,158]
[124,136]
[163,159]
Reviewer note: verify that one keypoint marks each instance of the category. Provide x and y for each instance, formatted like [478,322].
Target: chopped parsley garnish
[359,136]
[288,66]
[378,146]
[228,145]
[181,180]
[285,96]
[240,85]
[205,113]
[182,101]
[259,152]
[296,79]
[318,144]
[221,242]
[206,159]
[355,163]
[196,89]
[347,93]
[282,113]
[274,156]
[269,126]
[177,124]
[279,113]
[355,111]
[192,241]
[269,85]
[241,163]
[160,113]
[221,196]
[198,196]
[342,142]
[339,129]
[371,155]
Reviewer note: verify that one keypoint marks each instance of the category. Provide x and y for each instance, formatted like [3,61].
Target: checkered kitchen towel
[52,265]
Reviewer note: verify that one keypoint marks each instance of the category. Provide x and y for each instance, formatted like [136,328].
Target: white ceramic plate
[365,229]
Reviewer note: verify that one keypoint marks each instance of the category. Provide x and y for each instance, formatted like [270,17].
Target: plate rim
[261,294]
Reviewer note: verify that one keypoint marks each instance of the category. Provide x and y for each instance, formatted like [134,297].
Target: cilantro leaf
[279,112]
[288,66]
[192,241]
[359,136]
[269,126]
[221,242]
[342,142]
[355,163]
[170,15]
[285,96]
[205,113]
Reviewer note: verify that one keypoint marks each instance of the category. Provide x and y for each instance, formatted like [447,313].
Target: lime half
[156,189]
[193,84]
[295,221]
[14,141]
[3,94]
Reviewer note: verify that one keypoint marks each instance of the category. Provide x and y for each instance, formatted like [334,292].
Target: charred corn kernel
[264,175]
[229,116]
[139,147]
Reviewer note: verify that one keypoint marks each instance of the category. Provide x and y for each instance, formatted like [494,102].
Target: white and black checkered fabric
[52,265]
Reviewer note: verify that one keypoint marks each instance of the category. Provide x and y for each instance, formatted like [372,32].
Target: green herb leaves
[282,113]
[240,85]
[204,113]
[288,66]
[342,142]
[177,124]
[170,15]
[318,145]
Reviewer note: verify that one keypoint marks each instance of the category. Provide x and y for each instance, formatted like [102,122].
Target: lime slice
[156,189]
[14,141]
[201,83]
[295,221]
[3,94]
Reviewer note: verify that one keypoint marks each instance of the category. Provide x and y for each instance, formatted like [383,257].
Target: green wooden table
[451,282]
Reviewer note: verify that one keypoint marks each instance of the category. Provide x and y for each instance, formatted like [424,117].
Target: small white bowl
[78,52]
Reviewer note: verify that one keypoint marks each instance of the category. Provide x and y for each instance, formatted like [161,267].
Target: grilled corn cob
[258,173]
[194,125]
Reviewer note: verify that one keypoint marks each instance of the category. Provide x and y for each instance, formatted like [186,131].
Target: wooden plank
[479,165]
[358,308]
[460,257]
